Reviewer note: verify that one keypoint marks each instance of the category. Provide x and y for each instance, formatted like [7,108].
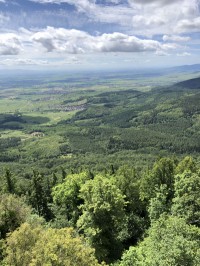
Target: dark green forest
[103,174]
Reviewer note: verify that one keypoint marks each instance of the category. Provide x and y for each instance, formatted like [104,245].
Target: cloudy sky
[99,34]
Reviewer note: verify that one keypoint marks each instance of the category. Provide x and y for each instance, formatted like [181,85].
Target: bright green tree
[102,221]
[186,202]
[187,164]
[127,180]
[35,246]
[66,199]
[170,242]
[162,174]
[159,204]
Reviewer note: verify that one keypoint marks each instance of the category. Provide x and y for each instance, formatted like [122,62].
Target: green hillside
[100,171]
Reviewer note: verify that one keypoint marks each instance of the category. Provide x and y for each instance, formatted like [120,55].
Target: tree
[66,199]
[186,202]
[159,205]
[187,164]
[38,246]
[9,182]
[103,218]
[13,212]
[162,173]
[127,180]
[170,242]
[39,196]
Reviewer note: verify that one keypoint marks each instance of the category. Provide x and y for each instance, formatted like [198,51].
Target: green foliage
[37,246]
[187,164]
[115,126]
[159,205]
[13,212]
[170,242]
[66,199]
[186,202]
[127,180]
[117,135]
[103,216]
[162,174]
[40,196]
[8,182]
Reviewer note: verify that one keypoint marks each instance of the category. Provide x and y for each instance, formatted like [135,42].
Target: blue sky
[99,34]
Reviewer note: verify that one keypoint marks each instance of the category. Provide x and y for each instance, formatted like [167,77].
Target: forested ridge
[120,217]
[115,182]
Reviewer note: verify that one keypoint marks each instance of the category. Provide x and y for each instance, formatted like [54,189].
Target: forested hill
[100,172]
[189,84]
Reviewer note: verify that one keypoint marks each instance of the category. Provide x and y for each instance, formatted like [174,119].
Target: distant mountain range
[185,68]
[189,84]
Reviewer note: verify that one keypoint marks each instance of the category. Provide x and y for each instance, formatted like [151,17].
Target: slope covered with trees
[119,218]
[115,181]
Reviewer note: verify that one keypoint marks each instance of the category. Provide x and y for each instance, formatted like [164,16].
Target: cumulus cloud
[10,44]
[88,2]
[171,46]
[161,53]
[156,19]
[62,40]
[150,21]
[120,14]
[176,38]
[118,42]
[149,17]
[187,25]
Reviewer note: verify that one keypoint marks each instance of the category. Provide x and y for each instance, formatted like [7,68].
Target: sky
[99,34]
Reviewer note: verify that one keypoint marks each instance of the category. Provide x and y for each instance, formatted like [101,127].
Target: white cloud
[118,42]
[160,2]
[156,19]
[62,40]
[99,13]
[149,17]
[10,44]
[80,4]
[176,38]
[171,46]
[73,42]
[150,21]
[161,53]
[187,25]
[114,1]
